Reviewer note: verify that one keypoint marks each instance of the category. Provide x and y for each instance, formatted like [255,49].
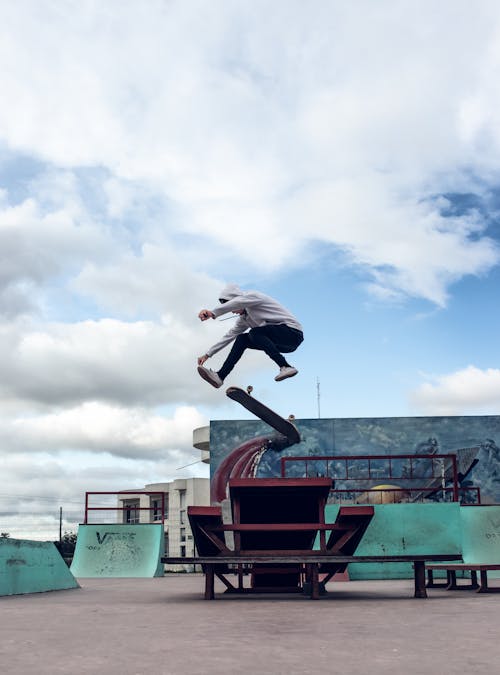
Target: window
[183,534]
[156,514]
[182,499]
[131,512]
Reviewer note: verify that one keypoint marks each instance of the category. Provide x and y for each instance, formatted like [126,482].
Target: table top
[313,557]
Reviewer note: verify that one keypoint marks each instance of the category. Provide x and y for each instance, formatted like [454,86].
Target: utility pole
[60,524]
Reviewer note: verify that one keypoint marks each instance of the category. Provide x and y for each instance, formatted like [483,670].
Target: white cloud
[467,391]
[140,363]
[41,238]
[101,428]
[262,139]
[160,279]
[408,246]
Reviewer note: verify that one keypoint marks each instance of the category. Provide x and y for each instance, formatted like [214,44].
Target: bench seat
[311,563]
[451,570]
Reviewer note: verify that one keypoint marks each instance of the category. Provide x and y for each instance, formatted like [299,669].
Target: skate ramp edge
[119,551]
[405,529]
[481,535]
[32,567]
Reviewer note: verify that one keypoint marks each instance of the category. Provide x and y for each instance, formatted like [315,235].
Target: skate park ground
[164,626]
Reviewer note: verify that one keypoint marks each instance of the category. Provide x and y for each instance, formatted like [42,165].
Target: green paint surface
[32,567]
[404,529]
[481,535]
[119,551]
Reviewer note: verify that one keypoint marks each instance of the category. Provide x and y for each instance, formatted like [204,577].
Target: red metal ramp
[276,517]
[275,502]
[201,520]
[283,507]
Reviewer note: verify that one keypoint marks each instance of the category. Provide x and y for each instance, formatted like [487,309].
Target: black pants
[273,339]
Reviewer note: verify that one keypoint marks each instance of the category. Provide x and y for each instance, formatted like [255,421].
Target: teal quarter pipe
[119,551]
[32,567]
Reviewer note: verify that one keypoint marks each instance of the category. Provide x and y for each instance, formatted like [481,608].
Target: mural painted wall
[374,436]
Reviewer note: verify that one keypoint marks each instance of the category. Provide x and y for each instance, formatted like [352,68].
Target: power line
[42,497]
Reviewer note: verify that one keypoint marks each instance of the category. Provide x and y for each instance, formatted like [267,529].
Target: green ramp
[405,529]
[481,535]
[32,567]
[119,551]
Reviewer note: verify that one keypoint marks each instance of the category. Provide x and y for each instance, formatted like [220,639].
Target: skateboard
[264,413]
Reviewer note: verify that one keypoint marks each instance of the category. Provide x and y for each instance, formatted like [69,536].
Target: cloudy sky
[341,156]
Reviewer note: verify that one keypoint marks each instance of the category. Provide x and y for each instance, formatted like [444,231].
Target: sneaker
[210,376]
[286,371]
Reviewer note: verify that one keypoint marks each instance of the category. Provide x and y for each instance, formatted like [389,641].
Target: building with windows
[167,503]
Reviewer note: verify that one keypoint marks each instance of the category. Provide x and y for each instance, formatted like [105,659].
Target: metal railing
[156,515]
[469,496]
[432,473]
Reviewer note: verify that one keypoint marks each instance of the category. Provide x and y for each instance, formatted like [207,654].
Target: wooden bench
[451,577]
[311,563]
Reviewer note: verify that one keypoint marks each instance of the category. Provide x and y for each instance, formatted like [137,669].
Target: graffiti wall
[477,439]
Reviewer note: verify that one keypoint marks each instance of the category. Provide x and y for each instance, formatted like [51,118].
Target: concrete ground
[163,626]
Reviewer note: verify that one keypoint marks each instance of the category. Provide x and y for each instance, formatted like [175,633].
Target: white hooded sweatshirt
[260,310]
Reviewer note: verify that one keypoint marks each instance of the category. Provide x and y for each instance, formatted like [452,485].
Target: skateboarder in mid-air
[263,324]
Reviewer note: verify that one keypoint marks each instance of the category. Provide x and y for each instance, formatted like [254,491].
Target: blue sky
[342,157]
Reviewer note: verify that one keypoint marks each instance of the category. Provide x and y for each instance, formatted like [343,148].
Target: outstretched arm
[204,314]
[240,327]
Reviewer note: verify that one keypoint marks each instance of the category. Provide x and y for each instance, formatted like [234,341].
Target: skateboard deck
[264,413]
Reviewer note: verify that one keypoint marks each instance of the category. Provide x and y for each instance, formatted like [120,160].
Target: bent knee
[243,339]
[255,335]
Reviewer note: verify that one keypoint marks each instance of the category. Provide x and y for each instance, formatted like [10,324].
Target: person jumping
[263,324]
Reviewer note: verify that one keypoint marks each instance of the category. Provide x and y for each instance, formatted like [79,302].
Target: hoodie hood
[230,291]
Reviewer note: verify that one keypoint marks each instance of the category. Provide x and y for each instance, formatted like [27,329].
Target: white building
[176,496]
